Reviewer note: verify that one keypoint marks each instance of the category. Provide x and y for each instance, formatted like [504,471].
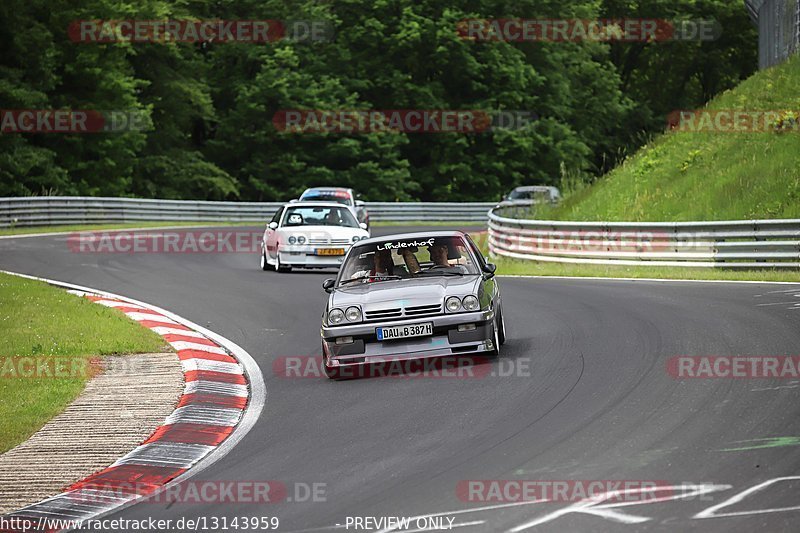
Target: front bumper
[446,339]
[305,255]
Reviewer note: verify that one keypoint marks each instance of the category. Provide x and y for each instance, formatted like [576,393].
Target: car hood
[404,292]
[323,231]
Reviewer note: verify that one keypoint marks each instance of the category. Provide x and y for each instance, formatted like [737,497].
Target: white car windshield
[404,258]
[319,216]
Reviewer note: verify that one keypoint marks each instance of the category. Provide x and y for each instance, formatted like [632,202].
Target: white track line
[598,278]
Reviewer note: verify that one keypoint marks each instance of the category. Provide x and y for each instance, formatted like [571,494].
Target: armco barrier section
[725,244]
[57,210]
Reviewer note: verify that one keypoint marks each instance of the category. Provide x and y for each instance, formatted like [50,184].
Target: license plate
[403,332]
[330,251]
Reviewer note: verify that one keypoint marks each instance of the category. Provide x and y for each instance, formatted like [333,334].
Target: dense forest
[209,106]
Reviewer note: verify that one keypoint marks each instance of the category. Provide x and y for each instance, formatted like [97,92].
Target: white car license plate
[403,332]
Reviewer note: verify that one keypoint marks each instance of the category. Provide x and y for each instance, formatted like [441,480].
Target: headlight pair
[337,316]
[297,240]
[356,238]
[468,303]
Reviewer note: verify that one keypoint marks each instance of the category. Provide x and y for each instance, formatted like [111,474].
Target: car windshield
[319,216]
[405,258]
[340,197]
[519,195]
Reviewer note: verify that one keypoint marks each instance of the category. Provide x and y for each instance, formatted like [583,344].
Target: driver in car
[441,255]
[438,253]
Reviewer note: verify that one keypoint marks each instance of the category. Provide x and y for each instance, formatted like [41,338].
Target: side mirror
[273,225]
[489,269]
[294,201]
[360,203]
[328,285]
[363,226]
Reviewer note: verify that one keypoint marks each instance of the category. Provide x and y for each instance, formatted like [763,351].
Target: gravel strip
[116,411]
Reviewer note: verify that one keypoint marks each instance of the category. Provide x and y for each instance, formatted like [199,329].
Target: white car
[310,235]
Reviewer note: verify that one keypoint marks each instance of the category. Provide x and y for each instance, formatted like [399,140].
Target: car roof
[534,188]
[315,204]
[414,235]
[327,189]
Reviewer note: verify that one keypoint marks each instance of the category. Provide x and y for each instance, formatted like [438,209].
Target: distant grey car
[530,195]
[411,296]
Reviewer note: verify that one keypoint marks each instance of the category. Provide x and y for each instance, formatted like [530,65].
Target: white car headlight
[335,316]
[470,303]
[301,240]
[353,314]
[356,238]
[453,304]
[292,239]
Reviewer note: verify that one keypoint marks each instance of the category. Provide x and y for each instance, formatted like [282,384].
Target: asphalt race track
[584,395]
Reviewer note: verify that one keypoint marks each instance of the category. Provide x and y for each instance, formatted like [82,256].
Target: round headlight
[335,316]
[470,303]
[353,314]
[453,304]
[301,240]
[292,240]
[356,238]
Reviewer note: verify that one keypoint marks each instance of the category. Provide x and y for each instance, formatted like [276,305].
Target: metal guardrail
[63,210]
[726,244]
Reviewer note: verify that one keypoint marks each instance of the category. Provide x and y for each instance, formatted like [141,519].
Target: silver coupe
[411,296]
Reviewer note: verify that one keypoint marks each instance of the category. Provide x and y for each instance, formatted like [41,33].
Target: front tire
[501,335]
[330,372]
[498,335]
[278,266]
[264,264]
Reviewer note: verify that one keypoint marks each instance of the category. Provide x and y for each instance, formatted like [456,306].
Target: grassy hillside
[707,176]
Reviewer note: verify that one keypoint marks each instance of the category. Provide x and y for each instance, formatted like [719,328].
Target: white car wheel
[278,266]
[264,264]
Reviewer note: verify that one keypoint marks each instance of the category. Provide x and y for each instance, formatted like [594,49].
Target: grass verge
[95,227]
[49,326]
[532,268]
[155,225]
[425,223]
